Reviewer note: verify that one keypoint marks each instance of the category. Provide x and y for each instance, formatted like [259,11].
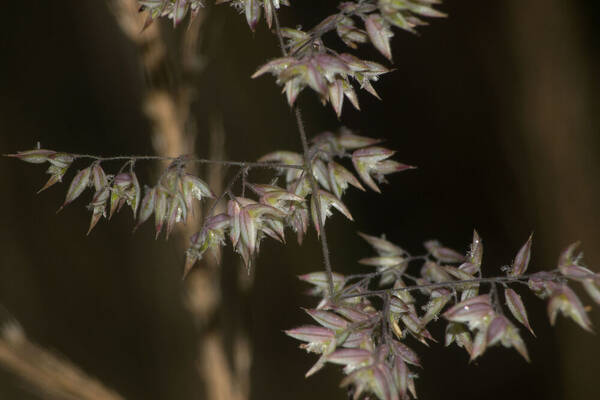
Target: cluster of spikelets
[309,62]
[327,74]
[169,200]
[378,16]
[369,338]
[176,10]
[404,14]
[247,221]
[253,9]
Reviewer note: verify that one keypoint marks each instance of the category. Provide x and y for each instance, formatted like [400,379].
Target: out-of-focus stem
[556,109]
[48,374]
[169,111]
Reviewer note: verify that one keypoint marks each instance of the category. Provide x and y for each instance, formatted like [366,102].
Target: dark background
[497,105]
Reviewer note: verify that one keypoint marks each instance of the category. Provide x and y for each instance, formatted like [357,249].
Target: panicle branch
[264,210]
[186,159]
[369,338]
[307,61]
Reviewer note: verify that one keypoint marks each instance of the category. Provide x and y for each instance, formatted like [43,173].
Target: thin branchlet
[227,190]
[186,159]
[315,192]
[322,29]
[308,170]
[522,279]
[278,32]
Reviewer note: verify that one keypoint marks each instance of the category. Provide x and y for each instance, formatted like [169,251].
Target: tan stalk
[48,374]
[169,113]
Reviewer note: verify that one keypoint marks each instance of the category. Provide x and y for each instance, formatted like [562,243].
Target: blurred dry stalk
[167,108]
[554,108]
[203,298]
[203,283]
[50,375]
[169,111]
[226,384]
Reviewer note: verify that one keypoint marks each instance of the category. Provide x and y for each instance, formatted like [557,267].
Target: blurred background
[496,105]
